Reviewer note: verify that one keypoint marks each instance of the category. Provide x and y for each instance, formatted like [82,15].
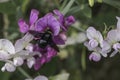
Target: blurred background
[72,60]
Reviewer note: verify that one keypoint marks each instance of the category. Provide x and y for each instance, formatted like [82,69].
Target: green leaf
[1,1]
[87,11]
[99,1]
[91,3]
[114,3]
[83,9]
[66,9]
[7,7]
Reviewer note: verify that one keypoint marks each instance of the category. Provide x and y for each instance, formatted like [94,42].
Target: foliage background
[73,58]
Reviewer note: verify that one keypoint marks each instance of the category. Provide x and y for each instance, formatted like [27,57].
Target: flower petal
[95,56]
[116,46]
[29,47]
[113,36]
[61,19]
[9,67]
[88,46]
[30,62]
[33,16]
[7,46]
[50,53]
[53,24]
[57,12]
[23,26]
[99,37]
[113,53]
[41,24]
[39,62]
[91,32]
[69,20]
[41,78]
[4,55]
[106,46]
[18,61]
[118,22]
[60,39]
[28,37]
[20,44]
[93,43]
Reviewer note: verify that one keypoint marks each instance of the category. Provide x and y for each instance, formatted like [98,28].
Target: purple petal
[57,12]
[23,26]
[60,39]
[39,62]
[60,19]
[50,53]
[53,24]
[70,20]
[41,24]
[33,16]
[95,57]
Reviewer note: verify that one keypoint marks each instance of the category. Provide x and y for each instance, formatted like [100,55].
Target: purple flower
[55,25]
[64,22]
[23,26]
[60,39]
[48,21]
[54,21]
[47,54]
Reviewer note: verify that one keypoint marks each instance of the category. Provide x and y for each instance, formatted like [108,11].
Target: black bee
[44,39]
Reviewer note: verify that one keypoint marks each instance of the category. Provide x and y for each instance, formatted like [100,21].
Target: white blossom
[30,62]
[95,43]
[40,77]
[14,56]
[18,61]
[6,49]
[8,67]
[112,40]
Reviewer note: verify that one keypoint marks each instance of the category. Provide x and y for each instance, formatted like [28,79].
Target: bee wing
[35,33]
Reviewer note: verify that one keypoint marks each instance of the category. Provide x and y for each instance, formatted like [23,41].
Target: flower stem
[24,73]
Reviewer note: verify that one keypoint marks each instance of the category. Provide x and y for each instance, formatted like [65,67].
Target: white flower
[6,49]
[112,40]
[30,62]
[22,43]
[18,61]
[23,50]
[8,67]
[118,23]
[94,36]
[40,77]
[94,43]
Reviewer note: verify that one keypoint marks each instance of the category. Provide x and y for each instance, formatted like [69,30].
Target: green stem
[24,73]
[6,24]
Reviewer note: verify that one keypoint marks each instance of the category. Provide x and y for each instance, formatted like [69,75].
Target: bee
[44,39]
